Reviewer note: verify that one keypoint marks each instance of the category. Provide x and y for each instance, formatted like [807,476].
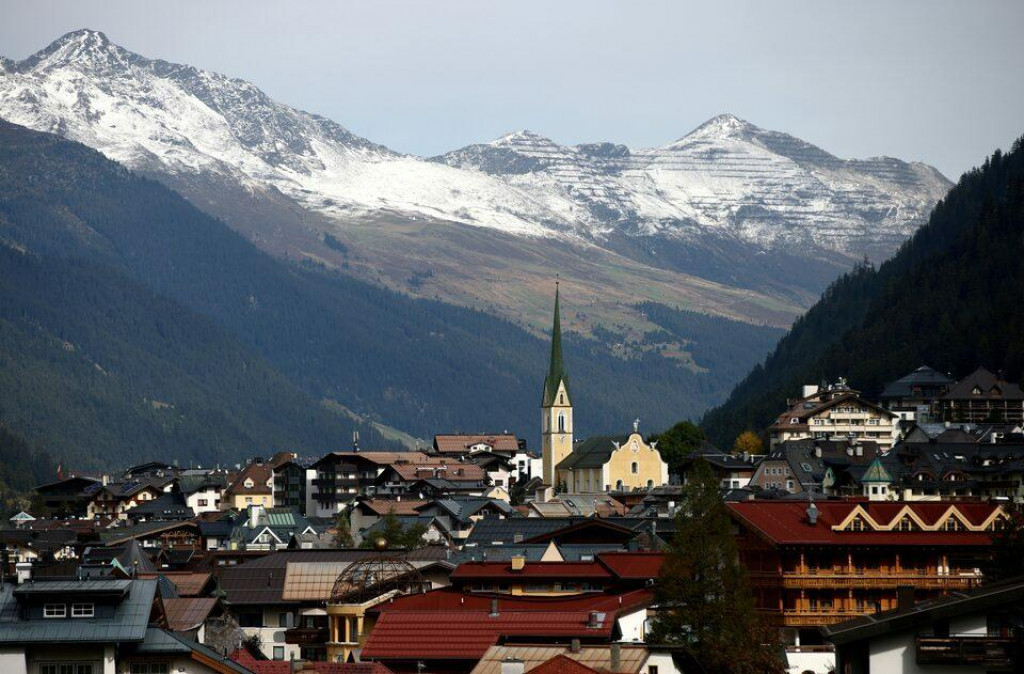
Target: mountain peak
[83,48]
[722,126]
[521,135]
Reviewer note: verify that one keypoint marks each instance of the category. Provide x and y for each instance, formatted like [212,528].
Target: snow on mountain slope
[156,116]
[727,179]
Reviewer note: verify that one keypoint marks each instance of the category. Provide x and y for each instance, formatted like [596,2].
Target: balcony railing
[306,636]
[989,653]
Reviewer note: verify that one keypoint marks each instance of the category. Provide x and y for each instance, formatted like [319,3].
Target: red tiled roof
[785,522]
[456,472]
[383,506]
[260,473]
[457,444]
[447,624]
[244,658]
[562,664]
[187,613]
[633,565]
[346,668]
[570,570]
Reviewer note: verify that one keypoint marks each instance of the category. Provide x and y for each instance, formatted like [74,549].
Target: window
[279,652]
[282,620]
[561,422]
[67,668]
[202,503]
[83,610]
[618,485]
[634,468]
[652,669]
[149,668]
[55,610]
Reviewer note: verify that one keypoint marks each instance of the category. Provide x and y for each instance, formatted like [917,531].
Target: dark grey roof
[1009,592]
[134,559]
[128,622]
[192,483]
[531,551]
[162,642]
[986,381]
[923,377]
[593,452]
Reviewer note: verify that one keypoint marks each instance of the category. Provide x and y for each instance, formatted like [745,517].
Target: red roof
[562,664]
[244,658]
[447,624]
[633,565]
[346,668]
[460,444]
[785,522]
[382,506]
[503,570]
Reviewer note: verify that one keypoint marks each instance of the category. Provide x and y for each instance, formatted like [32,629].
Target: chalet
[343,476]
[67,497]
[431,480]
[734,471]
[116,498]
[268,528]
[917,396]
[254,485]
[835,413]
[819,563]
[984,397]
[202,490]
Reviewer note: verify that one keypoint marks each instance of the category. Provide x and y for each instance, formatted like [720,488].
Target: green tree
[703,589]
[677,442]
[342,531]
[397,534]
[749,442]
[1007,559]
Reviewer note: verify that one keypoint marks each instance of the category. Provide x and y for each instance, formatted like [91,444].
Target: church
[603,463]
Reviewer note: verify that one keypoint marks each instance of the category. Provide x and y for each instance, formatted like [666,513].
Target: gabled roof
[989,385]
[382,506]
[188,613]
[458,443]
[804,410]
[785,523]
[259,474]
[160,642]
[563,664]
[452,625]
[593,452]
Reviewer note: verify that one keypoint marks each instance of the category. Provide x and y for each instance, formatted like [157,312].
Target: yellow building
[556,408]
[253,486]
[606,463]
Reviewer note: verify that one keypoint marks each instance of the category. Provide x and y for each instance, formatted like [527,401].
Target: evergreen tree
[704,594]
[342,531]
[397,534]
[1007,547]
[677,442]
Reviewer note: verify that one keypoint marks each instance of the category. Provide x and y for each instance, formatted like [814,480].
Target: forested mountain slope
[950,298]
[421,366]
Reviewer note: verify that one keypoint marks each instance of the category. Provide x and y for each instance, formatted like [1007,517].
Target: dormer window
[55,610]
[83,610]
[794,420]
[248,483]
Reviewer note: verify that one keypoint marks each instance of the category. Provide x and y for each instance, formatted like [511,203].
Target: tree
[342,531]
[749,442]
[677,442]
[703,589]
[397,534]
[1007,559]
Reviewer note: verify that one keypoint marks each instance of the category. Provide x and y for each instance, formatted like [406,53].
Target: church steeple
[556,369]
[556,407]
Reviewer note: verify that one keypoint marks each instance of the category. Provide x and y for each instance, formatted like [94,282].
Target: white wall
[12,659]
[631,626]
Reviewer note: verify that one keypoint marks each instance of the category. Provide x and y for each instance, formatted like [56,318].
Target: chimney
[518,562]
[817,452]
[812,514]
[106,479]
[513,666]
[616,658]
[859,450]
[574,646]
[904,598]
[494,608]
[592,621]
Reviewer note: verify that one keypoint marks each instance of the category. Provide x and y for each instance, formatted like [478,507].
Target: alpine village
[269,390]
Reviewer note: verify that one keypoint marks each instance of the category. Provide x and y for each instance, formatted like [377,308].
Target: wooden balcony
[875,579]
[306,636]
[983,652]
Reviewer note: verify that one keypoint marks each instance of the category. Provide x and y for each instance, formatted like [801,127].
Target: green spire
[556,370]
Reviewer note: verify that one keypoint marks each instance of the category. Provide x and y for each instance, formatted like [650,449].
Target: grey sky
[921,80]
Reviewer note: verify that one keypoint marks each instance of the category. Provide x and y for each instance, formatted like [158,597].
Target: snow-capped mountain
[725,177]
[730,219]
